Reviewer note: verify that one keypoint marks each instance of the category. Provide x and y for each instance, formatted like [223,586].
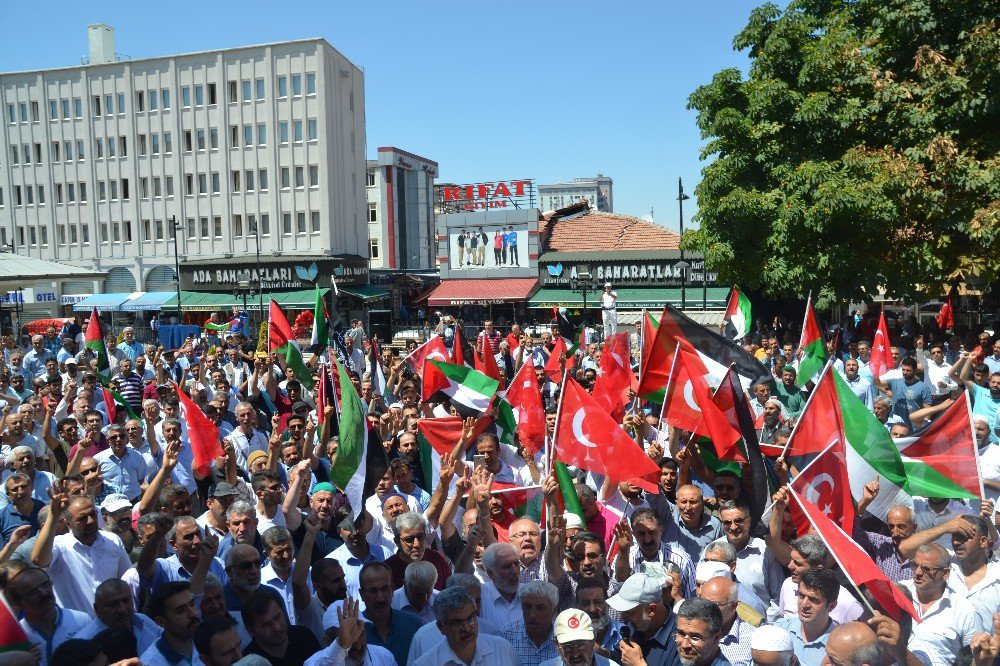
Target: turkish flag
[614,376]
[526,401]
[590,439]
[433,349]
[458,347]
[488,365]
[552,370]
[854,561]
[821,422]
[881,358]
[203,435]
[825,484]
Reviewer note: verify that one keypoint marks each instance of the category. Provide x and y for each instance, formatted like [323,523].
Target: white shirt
[402,602]
[757,569]
[989,467]
[77,569]
[243,446]
[429,635]
[335,655]
[490,651]
[847,609]
[927,518]
[264,523]
[948,624]
[984,595]
[938,373]
[270,577]
[381,532]
[68,623]
[145,630]
[496,610]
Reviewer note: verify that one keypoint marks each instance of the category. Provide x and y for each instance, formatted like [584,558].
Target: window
[111,146]
[259,89]
[213,138]
[121,101]
[300,177]
[311,84]
[17,196]
[202,183]
[237,225]
[286,224]
[265,225]
[127,228]
[234,135]
[144,188]
[261,134]
[233,92]
[284,178]
[187,141]
[314,221]
[373,248]
[211,93]
[140,101]
[147,230]
[153,105]
[199,95]
[300,223]
[11,116]
[26,153]
[188,184]
[217,226]
[24,111]
[65,108]
[296,130]
[55,151]
[33,235]
[85,234]
[44,233]
[248,178]
[41,195]
[282,87]
[246,91]
[311,129]
[154,144]
[203,224]
[168,143]
[165,100]
[109,105]
[116,232]
[215,183]
[313,176]
[34,112]
[78,107]
[191,230]
[38,153]
[83,198]
[123,146]
[68,150]
[248,135]
[373,212]
[157,187]
[170,186]
[125,194]
[70,192]
[104,232]
[102,190]
[283,132]
[1,202]
[79,150]
[29,192]
[186,96]
[262,180]
[61,234]
[142,144]
[236,181]
[53,109]
[114,190]
[59,194]
[296,85]
[13,155]
[159,230]
[98,148]
[72,234]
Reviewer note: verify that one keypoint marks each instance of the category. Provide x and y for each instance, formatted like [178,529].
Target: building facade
[597,191]
[261,144]
[400,190]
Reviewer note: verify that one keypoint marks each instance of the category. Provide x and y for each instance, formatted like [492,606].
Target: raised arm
[300,571]
[41,554]
[908,547]
[290,507]
[152,494]
[207,549]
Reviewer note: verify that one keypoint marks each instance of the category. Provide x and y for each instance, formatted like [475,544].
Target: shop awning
[148,301]
[632,298]
[104,302]
[481,292]
[207,301]
[365,292]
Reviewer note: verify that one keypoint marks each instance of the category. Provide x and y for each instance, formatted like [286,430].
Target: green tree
[861,151]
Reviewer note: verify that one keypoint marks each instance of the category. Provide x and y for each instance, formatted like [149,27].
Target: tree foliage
[861,152]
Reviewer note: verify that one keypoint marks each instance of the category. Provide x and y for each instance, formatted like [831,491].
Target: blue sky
[544,90]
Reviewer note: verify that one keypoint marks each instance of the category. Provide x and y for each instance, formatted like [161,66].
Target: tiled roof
[604,231]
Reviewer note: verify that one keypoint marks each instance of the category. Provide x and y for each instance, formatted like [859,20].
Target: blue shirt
[123,475]
[913,396]
[34,362]
[11,519]
[984,403]
[404,626]
[512,239]
[809,654]
[352,566]
[170,569]
[132,351]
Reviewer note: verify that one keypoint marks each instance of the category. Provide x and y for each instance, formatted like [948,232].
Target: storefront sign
[629,273]
[486,196]
[70,299]
[271,276]
[30,295]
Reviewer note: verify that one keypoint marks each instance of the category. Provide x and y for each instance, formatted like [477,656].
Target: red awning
[481,292]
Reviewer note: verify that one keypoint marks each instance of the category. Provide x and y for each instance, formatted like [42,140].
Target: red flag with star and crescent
[881,358]
[526,402]
[431,350]
[587,437]
[823,482]
[615,375]
[821,422]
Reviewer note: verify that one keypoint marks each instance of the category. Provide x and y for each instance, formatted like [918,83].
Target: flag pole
[670,378]
[975,446]
[822,376]
[805,320]
[549,462]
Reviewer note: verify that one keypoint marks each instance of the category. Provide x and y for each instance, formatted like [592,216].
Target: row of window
[155,99]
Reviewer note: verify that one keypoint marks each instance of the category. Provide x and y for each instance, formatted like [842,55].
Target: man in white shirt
[609,310]
[756,565]
[500,600]
[458,620]
[246,438]
[809,552]
[81,559]
[947,621]
[973,576]
[115,608]
[936,371]
[417,593]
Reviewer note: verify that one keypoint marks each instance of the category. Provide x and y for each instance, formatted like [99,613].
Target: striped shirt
[525,648]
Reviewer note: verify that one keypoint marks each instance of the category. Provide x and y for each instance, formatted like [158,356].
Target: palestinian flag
[360,462]
[506,420]
[649,326]
[738,320]
[571,502]
[282,340]
[320,338]
[209,326]
[814,355]
[94,341]
[468,390]
[375,361]
[119,401]
[438,437]
[12,636]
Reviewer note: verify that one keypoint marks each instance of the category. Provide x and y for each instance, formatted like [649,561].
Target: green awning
[365,292]
[633,298]
[208,301]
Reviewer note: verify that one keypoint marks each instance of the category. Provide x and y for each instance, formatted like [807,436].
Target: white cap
[708,570]
[114,503]
[607,284]
[330,618]
[573,625]
[638,589]
[573,521]
[769,638]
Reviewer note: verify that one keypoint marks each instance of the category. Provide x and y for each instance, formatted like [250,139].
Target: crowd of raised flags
[668,495]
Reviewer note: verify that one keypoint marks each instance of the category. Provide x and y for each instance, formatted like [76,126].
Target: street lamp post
[175,227]
[260,283]
[581,283]
[681,197]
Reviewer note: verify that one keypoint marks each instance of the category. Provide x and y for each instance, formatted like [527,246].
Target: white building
[97,159]
[597,191]
[401,210]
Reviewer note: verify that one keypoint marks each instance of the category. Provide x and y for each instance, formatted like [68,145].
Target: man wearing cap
[123,468]
[574,635]
[736,635]
[772,646]
[213,521]
[116,509]
[609,310]
[720,560]
[650,621]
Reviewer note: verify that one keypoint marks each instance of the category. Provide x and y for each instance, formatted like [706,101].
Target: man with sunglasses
[123,468]
[412,537]
[756,565]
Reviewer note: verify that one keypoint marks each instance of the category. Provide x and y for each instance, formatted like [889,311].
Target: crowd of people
[115,548]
